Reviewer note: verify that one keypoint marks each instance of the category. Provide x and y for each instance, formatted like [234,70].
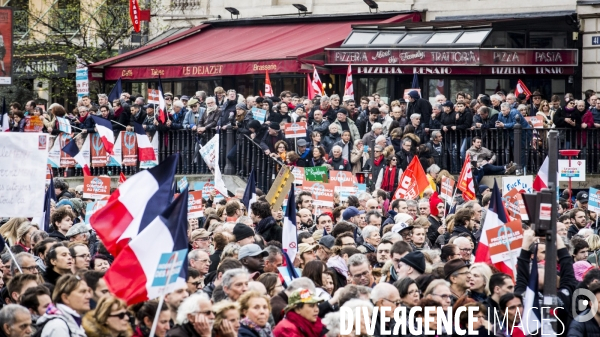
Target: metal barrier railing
[527,147]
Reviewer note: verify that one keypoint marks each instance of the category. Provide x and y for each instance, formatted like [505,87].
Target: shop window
[245,85]
[505,40]
[297,84]
[65,16]
[208,87]
[359,38]
[476,37]
[458,85]
[547,40]
[437,86]
[414,38]
[493,85]
[386,39]
[443,38]
[167,87]
[187,88]
[370,85]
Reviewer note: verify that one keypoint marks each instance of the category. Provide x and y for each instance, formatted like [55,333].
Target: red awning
[239,50]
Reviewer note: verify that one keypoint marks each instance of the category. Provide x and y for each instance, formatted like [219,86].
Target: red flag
[162,106]
[122,178]
[309,89]
[349,88]
[134,14]
[465,180]
[317,85]
[522,89]
[413,181]
[268,87]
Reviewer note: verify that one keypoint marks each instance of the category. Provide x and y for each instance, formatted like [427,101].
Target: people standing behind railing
[240,125]
[437,148]
[271,138]
[227,109]
[435,122]
[596,114]
[148,124]
[545,114]
[568,118]
[486,159]
[211,117]
[507,120]
[193,115]
[484,119]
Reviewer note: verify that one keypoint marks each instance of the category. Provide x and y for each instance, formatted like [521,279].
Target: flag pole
[118,123]
[14,259]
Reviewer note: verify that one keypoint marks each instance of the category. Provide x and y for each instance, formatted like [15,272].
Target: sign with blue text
[169,268]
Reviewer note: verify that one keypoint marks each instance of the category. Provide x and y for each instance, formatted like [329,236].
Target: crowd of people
[368,252]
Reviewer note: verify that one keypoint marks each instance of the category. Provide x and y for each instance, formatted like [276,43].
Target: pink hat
[581,268]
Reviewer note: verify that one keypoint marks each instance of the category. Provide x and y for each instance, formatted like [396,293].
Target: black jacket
[140,118]
[561,114]
[277,118]
[268,141]
[587,328]
[269,229]
[464,121]
[437,156]
[331,139]
[432,231]
[448,119]
[186,330]
[573,230]
[459,229]
[340,164]
[225,110]
[124,118]
[420,106]
[245,331]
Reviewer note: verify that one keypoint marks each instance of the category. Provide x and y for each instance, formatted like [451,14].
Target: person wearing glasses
[110,319]
[359,271]
[386,295]
[26,262]
[439,290]
[81,257]
[410,295]
[194,317]
[457,273]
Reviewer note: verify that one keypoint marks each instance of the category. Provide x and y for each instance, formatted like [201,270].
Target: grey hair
[504,105]
[332,322]
[378,148]
[334,96]
[178,104]
[195,254]
[377,126]
[435,133]
[358,303]
[391,236]
[381,291]
[434,284]
[336,147]
[333,125]
[373,104]
[273,253]
[19,257]
[300,283]
[433,169]
[102,96]
[379,138]
[8,314]
[211,99]
[189,306]
[512,96]
[410,203]
[230,250]
[201,94]
[243,219]
[229,275]
[523,106]
[496,97]
[365,196]
[324,99]
[358,141]
[368,230]
[415,116]
[439,107]
[357,259]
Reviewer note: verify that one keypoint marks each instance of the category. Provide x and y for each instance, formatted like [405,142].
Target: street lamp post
[569,153]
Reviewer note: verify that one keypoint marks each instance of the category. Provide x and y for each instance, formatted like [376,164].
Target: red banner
[129,148]
[412,182]
[134,14]
[33,124]
[65,159]
[99,155]
[465,180]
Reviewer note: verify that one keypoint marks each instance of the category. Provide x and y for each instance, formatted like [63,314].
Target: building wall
[590,27]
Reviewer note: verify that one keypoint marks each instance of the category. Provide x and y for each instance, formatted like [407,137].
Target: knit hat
[241,231]
[254,124]
[581,268]
[449,104]
[274,126]
[300,105]
[343,111]
[413,94]
[64,202]
[482,188]
[416,260]
[453,266]
[434,201]
[241,106]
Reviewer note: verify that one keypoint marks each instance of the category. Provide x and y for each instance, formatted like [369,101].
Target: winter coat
[459,229]
[269,229]
[60,322]
[464,121]
[447,119]
[139,118]
[322,128]
[94,329]
[88,124]
[586,328]
[185,330]
[268,141]
[422,107]
[420,132]
[225,111]
[149,123]
[404,158]
[340,164]
[341,144]
[287,328]
[357,159]
[209,120]
[369,140]
[488,123]
[124,118]
[190,120]
[49,121]
[354,134]
[19,127]
[50,276]
[365,126]
[331,139]
[177,119]
[437,156]
[277,118]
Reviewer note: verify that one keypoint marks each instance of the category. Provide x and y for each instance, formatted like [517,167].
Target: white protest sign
[23,163]
[209,152]
[524,183]
[575,171]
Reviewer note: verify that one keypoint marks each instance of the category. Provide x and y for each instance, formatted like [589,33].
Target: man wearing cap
[582,200]
[404,230]
[418,105]
[536,99]
[79,233]
[193,115]
[411,265]
[304,152]
[200,239]
[457,273]
[325,245]
[351,214]
[252,257]
[346,124]
[271,137]
[306,253]
[244,235]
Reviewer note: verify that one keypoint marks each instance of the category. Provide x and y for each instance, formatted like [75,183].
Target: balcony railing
[525,147]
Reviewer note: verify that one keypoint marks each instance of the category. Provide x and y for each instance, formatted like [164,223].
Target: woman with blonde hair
[480,274]
[545,114]
[227,319]
[594,242]
[255,309]
[109,319]
[10,228]
[24,234]
[231,250]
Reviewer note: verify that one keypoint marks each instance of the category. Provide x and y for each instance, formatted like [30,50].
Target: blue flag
[415,81]
[50,195]
[289,237]
[250,192]
[116,91]
[496,203]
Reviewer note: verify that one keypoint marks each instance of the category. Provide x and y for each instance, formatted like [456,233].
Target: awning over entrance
[237,50]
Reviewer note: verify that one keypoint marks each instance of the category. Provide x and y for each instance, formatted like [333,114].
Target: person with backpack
[337,162]
[71,300]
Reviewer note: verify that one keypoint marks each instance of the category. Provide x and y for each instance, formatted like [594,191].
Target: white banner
[209,152]
[81,79]
[524,183]
[576,171]
[117,158]
[23,163]
[54,151]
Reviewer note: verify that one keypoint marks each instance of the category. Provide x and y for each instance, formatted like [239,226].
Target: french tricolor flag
[541,179]
[289,239]
[72,150]
[106,133]
[133,275]
[145,150]
[496,216]
[134,205]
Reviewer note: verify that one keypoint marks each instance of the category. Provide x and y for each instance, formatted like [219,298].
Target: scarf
[338,263]
[82,119]
[211,109]
[389,177]
[306,328]
[378,161]
[262,331]
[370,248]
[264,225]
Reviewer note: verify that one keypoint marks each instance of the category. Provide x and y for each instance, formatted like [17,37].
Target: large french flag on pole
[134,205]
[532,316]
[106,133]
[250,196]
[496,216]
[72,150]
[541,179]
[289,239]
[145,150]
[141,272]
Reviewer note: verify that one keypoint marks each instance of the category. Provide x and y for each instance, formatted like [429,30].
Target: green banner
[317,173]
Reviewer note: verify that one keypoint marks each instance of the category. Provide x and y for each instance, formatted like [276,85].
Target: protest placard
[54,151]
[153,96]
[195,204]
[535,122]
[169,267]
[63,139]
[513,201]
[33,124]
[575,171]
[182,183]
[594,200]
[521,183]
[343,178]
[298,173]
[207,188]
[23,163]
[96,187]
[259,114]
[209,151]
[99,155]
[151,163]
[93,207]
[295,130]
[322,192]
[129,148]
[447,189]
[315,173]
[505,241]
[116,159]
